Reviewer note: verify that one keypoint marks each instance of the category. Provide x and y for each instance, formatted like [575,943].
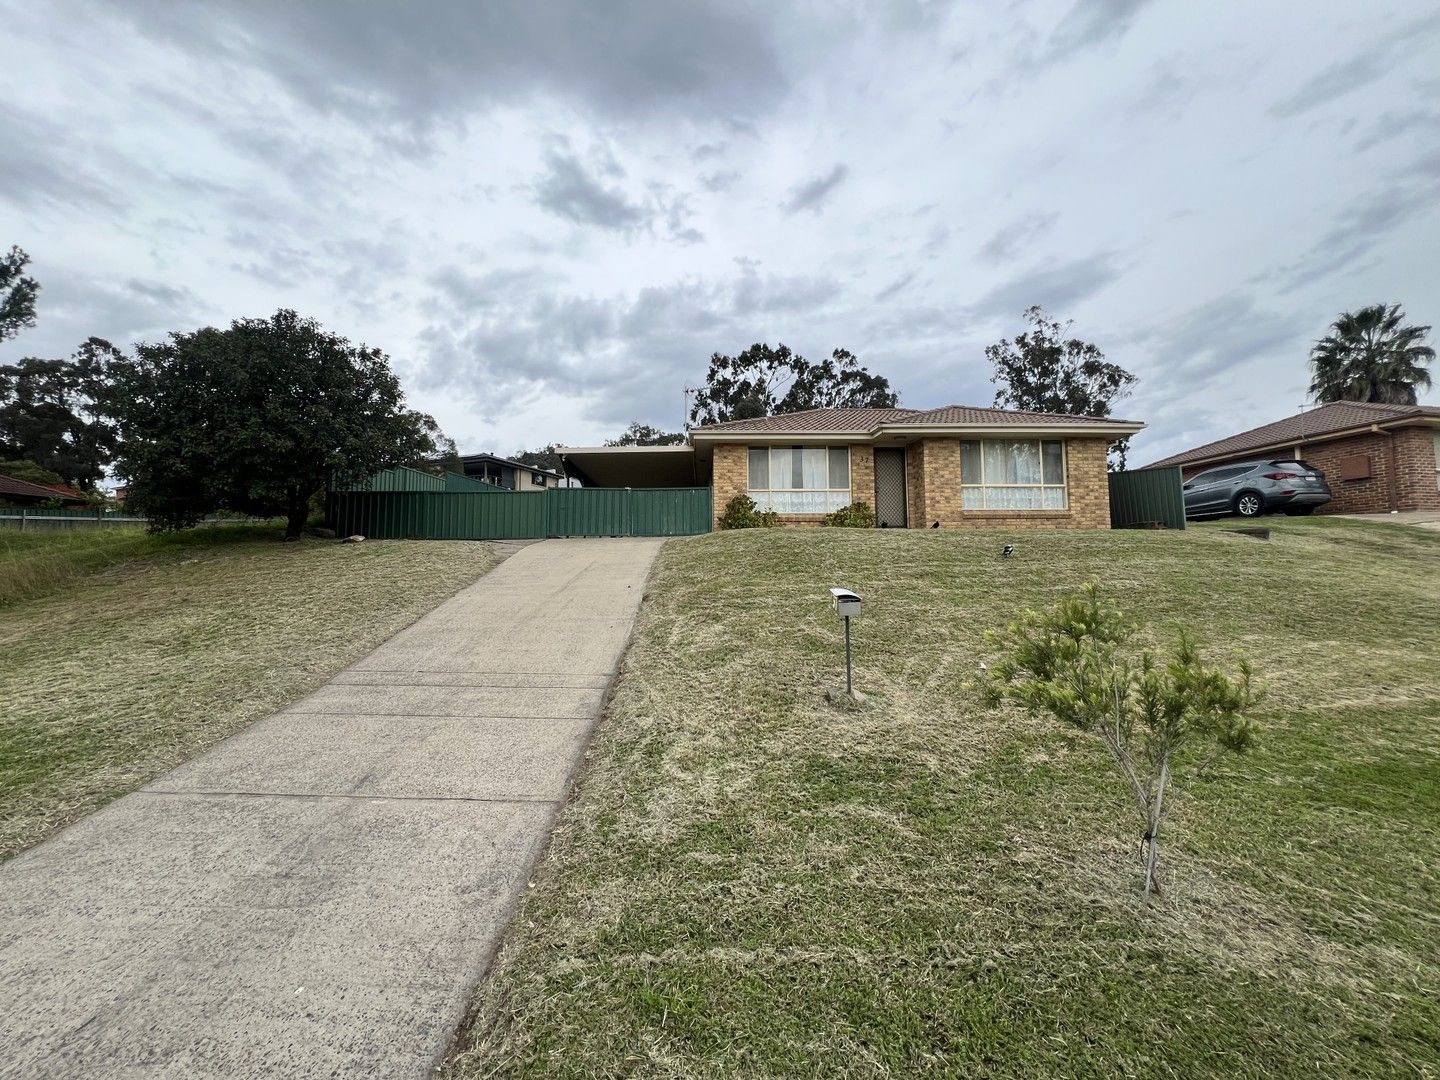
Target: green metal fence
[401,478]
[1147,498]
[455,481]
[521,515]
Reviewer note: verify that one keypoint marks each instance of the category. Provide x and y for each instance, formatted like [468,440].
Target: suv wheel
[1248,504]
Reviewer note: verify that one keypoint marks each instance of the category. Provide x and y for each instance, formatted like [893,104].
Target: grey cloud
[73,307]
[1057,287]
[46,167]
[571,190]
[1007,241]
[1192,369]
[1393,125]
[568,190]
[812,194]
[631,353]
[421,63]
[896,287]
[1363,226]
[1091,22]
[719,181]
[1348,75]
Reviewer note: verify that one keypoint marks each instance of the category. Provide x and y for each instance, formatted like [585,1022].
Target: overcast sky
[551,214]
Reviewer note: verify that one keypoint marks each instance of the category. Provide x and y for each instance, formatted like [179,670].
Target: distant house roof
[1327,420]
[11,488]
[871,421]
[498,460]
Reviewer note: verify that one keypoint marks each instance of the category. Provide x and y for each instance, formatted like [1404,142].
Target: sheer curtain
[800,480]
[1004,474]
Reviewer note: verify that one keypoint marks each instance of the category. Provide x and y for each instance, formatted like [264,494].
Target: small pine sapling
[1072,663]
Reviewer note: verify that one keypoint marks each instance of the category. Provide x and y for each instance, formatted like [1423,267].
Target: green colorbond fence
[455,481]
[1147,498]
[521,515]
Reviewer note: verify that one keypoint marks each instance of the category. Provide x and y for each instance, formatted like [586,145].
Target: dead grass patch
[116,677]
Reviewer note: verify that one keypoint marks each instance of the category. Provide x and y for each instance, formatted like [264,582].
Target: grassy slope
[111,679]
[750,882]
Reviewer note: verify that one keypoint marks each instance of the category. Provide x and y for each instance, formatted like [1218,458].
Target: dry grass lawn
[132,653]
[750,882]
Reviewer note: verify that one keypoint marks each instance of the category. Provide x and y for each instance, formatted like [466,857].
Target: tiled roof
[1326,420]
[10,486]
[833,421]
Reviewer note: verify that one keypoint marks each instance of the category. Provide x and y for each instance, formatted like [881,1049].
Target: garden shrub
[858,515]
[741,513]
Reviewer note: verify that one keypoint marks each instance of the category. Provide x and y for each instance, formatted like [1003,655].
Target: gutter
[1112,431]
[1229,455]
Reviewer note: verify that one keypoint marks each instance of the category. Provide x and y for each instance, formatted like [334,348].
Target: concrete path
[318,895]
[1424,519]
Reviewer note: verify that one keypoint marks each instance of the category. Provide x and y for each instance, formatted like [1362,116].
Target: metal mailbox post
[846,605]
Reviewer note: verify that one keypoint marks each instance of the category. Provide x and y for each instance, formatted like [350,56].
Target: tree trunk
[295,519]
[1152,835]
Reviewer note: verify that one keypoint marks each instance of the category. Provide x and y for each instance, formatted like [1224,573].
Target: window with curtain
[800,479]
[1012,474]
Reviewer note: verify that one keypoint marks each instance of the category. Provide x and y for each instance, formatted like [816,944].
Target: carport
[638,466]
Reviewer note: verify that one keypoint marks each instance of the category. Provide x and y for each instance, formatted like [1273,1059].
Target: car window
[1294,465]
[1201,479]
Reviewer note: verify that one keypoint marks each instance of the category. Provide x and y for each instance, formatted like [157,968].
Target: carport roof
[635,466]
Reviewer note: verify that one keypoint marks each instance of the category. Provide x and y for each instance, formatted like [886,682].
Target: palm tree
[1369,356]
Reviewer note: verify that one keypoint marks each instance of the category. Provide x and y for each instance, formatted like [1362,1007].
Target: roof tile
[861,421]
[1325,420]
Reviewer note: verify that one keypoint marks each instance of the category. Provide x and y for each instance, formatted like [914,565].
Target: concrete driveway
[1423,519]
[318,895]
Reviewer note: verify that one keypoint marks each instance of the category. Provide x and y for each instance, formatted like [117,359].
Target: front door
[890,487]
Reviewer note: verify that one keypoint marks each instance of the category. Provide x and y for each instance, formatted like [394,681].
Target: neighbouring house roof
[24,489]
[497,459]
[1327,421]
[874,421]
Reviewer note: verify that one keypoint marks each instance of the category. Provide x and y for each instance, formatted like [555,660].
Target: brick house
[958,466]
[1376,458]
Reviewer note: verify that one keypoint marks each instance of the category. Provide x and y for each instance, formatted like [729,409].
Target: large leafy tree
[638,434]
[256,418]
[49,414]
[17,294]
[1043,370]
[1371,355]
[546,457]
[762,381]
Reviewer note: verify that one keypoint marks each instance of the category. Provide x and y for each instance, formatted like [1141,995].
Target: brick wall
[730,475]
[1086,473]
[1402,475]
[933,480]
[862,474]
[1416,479]
[915,486]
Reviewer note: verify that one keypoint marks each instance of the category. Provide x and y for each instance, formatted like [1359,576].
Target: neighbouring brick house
[957,465]
[1376,458]
[15,492]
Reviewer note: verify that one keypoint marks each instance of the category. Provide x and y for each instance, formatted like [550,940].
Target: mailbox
[846,602]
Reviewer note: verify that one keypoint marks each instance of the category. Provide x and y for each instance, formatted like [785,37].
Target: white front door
[1437,459]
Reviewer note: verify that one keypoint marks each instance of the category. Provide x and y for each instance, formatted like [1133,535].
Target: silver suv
[1252,488]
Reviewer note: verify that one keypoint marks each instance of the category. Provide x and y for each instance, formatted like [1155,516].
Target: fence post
[23,515]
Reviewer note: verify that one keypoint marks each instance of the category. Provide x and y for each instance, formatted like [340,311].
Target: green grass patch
[134,652]
[752,882]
